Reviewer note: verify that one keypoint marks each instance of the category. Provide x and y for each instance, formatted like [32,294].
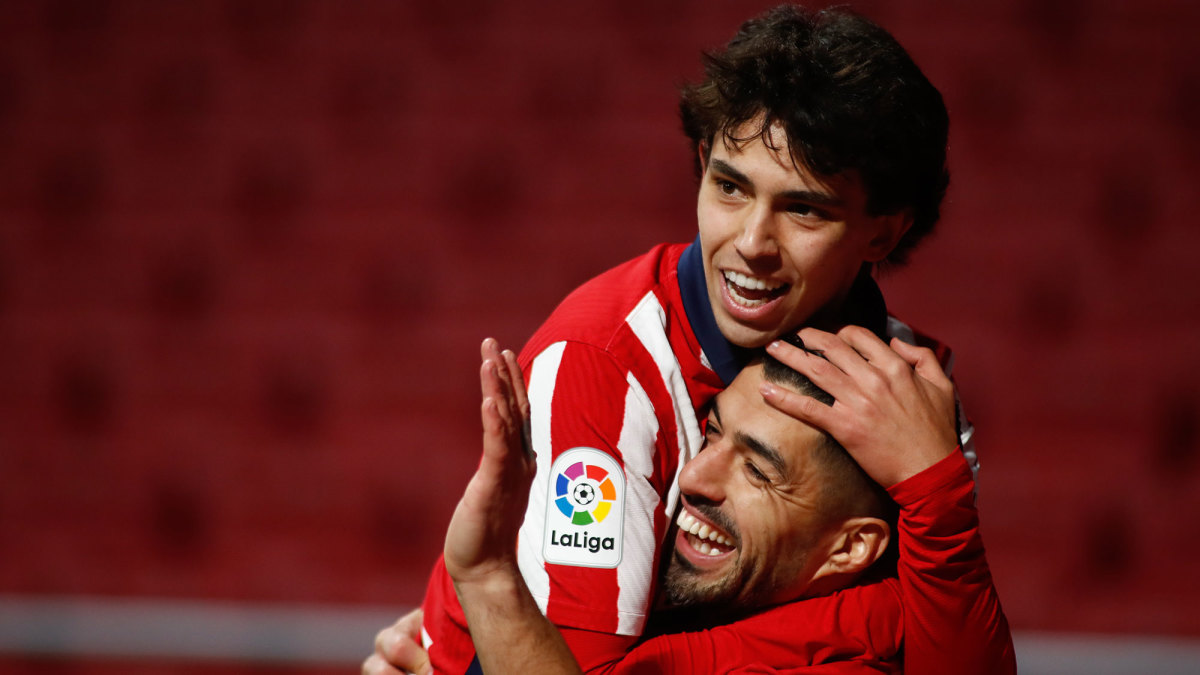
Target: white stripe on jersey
[648,321]
[542,376]
[636,443]
[636,569]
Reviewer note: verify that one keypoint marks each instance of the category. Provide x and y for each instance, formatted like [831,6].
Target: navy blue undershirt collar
[864,307]
[726,358]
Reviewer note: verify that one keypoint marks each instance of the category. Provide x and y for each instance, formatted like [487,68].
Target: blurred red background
[248,250]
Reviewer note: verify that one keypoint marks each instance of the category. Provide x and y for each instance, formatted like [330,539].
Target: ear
[703,151]
[889,229]
[855,546]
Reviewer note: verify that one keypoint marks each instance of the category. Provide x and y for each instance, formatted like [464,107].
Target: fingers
[398,649]
[376,665]
[824,360]
[500,437]
[505,406]
[517,382]
[410,624]
[520,399]
[800,406]
[869,347]
[496,410]
[495,384]
[923,361]
[501,379]
[861,356]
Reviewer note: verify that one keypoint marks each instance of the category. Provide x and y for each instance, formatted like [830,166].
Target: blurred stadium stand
[248,250]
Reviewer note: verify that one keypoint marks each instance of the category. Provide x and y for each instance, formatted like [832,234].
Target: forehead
[743,409]
[750,138]
[765,155]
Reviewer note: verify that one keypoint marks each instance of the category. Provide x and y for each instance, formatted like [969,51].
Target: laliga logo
[584,493]
[585,509]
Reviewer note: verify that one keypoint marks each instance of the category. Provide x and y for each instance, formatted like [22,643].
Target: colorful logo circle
[584,493]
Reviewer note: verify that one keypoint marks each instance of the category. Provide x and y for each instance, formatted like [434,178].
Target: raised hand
[482,536]
[894,408]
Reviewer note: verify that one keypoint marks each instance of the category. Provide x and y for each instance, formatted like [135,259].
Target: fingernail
[775,344]
[767,389]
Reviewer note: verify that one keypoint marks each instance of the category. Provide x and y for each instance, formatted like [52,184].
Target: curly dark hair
[849,99]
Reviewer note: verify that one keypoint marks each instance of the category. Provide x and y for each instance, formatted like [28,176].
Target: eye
[756,476]
[711,431]
[727,187]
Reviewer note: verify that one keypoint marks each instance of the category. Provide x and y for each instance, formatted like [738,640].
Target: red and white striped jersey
[619,377]
[615,372]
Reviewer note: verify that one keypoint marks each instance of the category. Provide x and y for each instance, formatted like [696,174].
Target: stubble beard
[683,587]
[738,592]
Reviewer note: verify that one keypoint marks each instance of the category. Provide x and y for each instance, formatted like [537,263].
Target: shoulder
[859,624]
[598,312]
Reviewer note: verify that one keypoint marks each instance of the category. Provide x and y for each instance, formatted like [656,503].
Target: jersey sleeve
[588,546]
[953,622]
[856,629]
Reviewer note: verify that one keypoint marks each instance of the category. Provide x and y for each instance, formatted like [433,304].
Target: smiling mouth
[702,536]
[750,291]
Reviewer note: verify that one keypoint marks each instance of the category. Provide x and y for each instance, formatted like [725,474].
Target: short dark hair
[848,491]
[849,98]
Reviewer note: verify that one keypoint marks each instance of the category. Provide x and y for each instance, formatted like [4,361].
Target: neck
[860,305]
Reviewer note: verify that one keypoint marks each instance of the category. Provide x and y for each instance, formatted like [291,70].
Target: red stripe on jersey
[665,458]
[588,410]
[702,383]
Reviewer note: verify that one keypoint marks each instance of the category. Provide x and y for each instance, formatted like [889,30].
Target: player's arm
[584,405]
[953,618]
[894,412]
[507,627]
[589,558]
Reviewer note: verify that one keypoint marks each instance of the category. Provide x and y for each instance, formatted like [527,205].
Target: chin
[746,336]
[683,586]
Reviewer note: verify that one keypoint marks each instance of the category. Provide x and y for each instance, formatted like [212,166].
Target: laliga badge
[585,510]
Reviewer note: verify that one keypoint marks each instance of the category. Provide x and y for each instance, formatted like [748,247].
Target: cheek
[715,218]
[823,262]
[711,229]
[764,533]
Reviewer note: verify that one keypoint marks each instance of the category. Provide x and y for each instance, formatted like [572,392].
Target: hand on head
[894,407]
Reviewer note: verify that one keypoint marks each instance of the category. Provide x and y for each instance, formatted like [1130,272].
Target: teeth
[750,282]
[702,531]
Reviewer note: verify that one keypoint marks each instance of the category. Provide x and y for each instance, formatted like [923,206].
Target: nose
[706,473]
[757,237]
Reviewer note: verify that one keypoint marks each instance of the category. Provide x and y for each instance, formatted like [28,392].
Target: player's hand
[482,537]
[893,410]
[398,649]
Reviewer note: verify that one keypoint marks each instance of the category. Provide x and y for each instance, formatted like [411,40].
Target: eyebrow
[810,196]
[771,455]
[716,410]
[768,453]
